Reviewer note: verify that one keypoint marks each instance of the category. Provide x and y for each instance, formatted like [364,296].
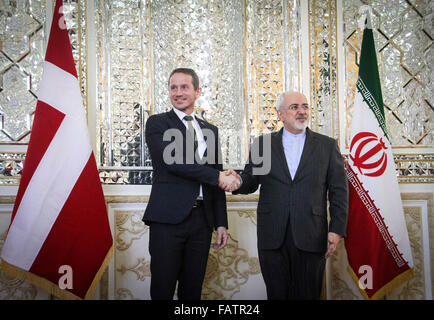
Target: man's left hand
[222,238]
[333,240]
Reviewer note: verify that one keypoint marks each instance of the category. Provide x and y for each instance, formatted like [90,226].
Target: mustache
[301,117]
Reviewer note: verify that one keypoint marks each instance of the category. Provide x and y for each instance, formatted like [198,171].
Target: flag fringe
[387,288]
[32,278]
[99,274]
[51,287]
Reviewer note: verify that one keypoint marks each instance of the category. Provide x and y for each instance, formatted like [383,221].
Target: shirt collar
[182,114]
[290,135]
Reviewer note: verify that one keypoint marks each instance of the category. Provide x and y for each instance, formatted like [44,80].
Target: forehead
[294,98]
[181,78]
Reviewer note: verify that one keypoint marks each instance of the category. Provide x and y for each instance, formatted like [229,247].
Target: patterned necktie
[190,130]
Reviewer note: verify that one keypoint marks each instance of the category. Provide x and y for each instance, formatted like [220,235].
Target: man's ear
[198,92]
[278,113]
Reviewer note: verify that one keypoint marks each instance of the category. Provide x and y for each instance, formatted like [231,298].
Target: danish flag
[59,217]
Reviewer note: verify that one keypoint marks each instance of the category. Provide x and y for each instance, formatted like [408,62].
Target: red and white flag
[59,237]
[377,242]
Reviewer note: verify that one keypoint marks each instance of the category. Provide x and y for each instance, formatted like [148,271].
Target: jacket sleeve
[337,184]
[250,182]
[154,132]
[220,208]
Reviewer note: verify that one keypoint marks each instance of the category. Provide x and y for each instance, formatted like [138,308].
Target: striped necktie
[190,130]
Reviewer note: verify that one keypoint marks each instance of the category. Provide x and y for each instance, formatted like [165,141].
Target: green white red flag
[377,240]
[59,237]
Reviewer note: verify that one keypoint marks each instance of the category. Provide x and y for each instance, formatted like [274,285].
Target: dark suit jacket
[175,187]
[302,199]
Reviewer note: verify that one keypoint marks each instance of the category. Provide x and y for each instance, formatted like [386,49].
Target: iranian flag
[377,241]
[59,237]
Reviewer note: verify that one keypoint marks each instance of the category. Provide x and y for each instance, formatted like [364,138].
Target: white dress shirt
[293,145]
[201,143]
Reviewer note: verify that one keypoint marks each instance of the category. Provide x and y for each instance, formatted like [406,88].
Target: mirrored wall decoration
[272,43]
[246,52]
[124,87]
[206,36]
[403,34]
[22,47]
[323,67]
[75,17]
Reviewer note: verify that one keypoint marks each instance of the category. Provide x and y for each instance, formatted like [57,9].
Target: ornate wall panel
[75,17]
[22,46]
[122,80]
[239,49]
[133,74]
[258,41]
[272,60]
[23,37]
[124,87]
[11,288]
[232,273]
[323,67]
[11,165]
[208,37]
[22,50]
[403,34]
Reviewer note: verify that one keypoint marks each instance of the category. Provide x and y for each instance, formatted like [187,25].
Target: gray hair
[281,98]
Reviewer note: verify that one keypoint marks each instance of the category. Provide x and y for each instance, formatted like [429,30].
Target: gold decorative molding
[129,228]
[323,67]
[14,289]
[413,289]
[125,294]
[339,287]
[142,269]
[247,213]
[242,198]
[430,207]
[104,286]
[227,271]
[126,199]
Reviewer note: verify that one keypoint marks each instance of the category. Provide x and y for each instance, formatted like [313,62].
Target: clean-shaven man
[186,203]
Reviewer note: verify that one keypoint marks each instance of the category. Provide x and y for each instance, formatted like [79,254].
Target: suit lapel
[203,124]
[176,122]
[306,156]
[277,147]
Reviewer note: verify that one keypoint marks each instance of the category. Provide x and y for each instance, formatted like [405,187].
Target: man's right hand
[229,180]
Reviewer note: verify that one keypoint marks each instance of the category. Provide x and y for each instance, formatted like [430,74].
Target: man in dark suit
[304,169]
[186,203]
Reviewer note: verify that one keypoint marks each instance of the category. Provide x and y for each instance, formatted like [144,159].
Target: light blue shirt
[293,145]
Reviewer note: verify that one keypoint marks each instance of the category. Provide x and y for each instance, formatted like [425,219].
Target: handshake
[229,180]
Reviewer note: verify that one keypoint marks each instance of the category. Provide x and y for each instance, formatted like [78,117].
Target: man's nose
[302,113]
